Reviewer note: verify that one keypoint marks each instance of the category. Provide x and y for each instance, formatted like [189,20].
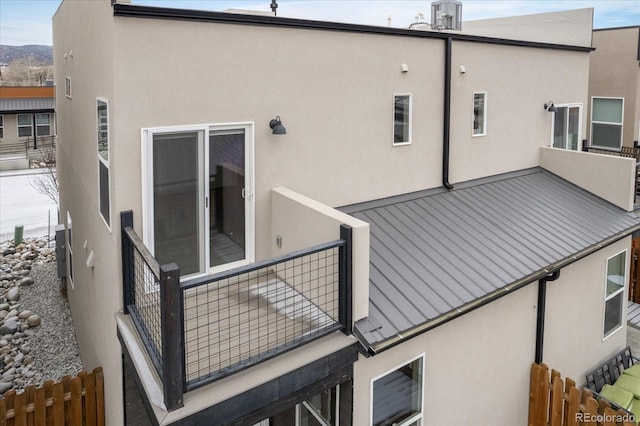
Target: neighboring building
[614,88]
[27,122]
[383,262]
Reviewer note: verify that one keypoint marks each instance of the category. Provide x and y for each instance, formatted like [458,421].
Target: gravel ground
[54,347]
[37,338]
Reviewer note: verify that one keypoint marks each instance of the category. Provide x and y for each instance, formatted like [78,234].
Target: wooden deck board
[633,314]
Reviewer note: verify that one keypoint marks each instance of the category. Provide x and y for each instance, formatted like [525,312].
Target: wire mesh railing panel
[145,303]
[240,320]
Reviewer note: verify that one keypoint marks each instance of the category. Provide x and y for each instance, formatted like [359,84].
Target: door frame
[203,150]
[568,105]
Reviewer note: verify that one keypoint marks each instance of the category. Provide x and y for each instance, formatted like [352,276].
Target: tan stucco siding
[614,73]
[518,82]
[84,31]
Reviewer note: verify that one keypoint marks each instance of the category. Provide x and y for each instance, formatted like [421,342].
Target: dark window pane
[175,200]
[397,396]
[401,119]
[606,135]
[613,313]
[104,193]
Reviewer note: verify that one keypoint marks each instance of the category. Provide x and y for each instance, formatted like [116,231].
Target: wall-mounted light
[550,107]
[278,128]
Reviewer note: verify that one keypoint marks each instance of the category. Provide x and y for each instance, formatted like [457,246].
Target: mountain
[39,52]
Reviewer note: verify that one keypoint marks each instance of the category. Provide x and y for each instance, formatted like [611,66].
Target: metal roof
[435,254]
[27,105]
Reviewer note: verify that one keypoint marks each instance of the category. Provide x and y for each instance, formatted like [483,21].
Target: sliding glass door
[566,127]
[199,204]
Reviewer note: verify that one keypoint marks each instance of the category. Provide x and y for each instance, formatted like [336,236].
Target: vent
[446,15]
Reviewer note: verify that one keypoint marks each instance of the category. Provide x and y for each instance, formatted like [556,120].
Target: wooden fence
[74,401]
[555,402]
[634,271]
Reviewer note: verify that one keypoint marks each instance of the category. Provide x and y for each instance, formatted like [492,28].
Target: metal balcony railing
[200,330]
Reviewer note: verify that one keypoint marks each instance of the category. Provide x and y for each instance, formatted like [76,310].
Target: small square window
[479,114]
[402,119]
[67,87]
[25,125]
[397,396]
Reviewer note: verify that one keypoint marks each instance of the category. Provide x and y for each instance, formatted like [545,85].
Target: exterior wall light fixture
[550,107]
[276,125]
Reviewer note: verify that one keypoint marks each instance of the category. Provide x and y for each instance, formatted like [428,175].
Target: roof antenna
[274,7]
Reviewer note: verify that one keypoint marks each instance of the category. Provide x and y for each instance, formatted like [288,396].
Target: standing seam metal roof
[434,252]
[19,105]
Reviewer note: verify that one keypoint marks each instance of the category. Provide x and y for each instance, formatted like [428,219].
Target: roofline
[133,11]
[26,111]
[495,295]
[617,28]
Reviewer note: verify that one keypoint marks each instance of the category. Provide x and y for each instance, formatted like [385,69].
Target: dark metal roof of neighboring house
[27,105]
[436,255]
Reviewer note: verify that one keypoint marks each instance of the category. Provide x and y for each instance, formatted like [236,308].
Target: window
[397,396]
[70,249]
[1,127]
[43,125]
[606,122]
[401,119]
[614,293]
[198,196]
[566,127]
[25,125]
[479,114]
[102,125]
[67,87]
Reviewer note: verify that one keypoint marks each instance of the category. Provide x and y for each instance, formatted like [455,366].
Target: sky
[29,21]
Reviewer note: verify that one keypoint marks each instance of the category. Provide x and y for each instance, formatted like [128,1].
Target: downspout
[446,127]
[542,298]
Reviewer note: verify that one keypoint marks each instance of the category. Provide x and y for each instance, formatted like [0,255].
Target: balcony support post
[126,221]
[345,294]
[172,326]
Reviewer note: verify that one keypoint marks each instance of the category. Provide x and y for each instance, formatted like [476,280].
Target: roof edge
[390,342]
[134,11]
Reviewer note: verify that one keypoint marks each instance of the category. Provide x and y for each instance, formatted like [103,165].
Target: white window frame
[19,126]
[105,162]
[614,294]
[621,124]
[553,123]
[147,188]
[418,416]
[43,125]
[484,118]
[393,136]
[1,126]
[67,87]
[70,250]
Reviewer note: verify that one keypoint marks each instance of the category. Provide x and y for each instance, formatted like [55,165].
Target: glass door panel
[176,222]
[227,213]
[560,128]
[573,128]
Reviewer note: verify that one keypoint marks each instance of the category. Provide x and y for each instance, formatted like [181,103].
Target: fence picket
[99,396]
[19,410]
[90,399]
[58,404]
[3,413]
[75,405]
[39,407]
[570,407]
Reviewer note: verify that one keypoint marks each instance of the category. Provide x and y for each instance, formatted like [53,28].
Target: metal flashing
[440,256]
[27,105]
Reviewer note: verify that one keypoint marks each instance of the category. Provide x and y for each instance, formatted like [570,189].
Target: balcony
[201,330]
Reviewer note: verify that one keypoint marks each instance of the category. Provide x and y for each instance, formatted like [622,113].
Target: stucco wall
[572,27]
[518,83]
[614,72]
[477,367]
[575,316]
[84,31]
[614,180]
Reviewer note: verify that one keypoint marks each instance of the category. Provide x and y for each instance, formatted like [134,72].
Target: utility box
[61,252]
